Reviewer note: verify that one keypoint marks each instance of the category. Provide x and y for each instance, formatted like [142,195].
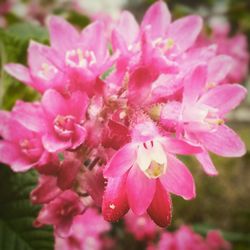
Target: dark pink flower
[141,174]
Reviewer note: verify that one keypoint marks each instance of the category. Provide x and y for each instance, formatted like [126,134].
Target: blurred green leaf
[17,214]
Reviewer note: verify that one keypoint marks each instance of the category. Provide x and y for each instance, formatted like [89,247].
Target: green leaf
[17,214]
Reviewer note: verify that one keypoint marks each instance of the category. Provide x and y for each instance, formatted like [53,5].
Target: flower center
[77,58]
[31,148]
[64,126]
[152,159]
[47,71]
[164,44]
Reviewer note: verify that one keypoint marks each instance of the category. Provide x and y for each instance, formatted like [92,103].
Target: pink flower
[64,120]
[141,174]
[74,64]
[215,241]
[142,227]
[233,46]
[204,122]
[185,239]
[20,148]
[156,44]
[86,232]
[60,212]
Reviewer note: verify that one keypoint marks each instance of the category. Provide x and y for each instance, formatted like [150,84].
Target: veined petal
[224,141]
[178,180]
[158,17]
[140,190]
[224,97]
[194,84]
[59,31]
[128,22]
[115,203]
[93,38]
[185,31]
[121,161]
[206,163]
[177,146]
[218,68]
[160,209]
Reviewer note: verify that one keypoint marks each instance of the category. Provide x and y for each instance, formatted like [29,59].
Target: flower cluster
[115,111]
[185,238]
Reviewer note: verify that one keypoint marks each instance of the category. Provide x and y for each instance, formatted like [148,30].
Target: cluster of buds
[115,111]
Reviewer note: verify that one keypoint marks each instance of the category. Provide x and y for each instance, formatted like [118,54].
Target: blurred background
[222,202]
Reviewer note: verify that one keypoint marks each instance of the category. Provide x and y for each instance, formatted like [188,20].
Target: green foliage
[17,214]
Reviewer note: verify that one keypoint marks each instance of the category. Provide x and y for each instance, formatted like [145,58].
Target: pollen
[169,44]
[155,170]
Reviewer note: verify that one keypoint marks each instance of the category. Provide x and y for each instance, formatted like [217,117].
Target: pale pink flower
[201,115]
[20,148]
[186,239]
[86,232]
[142,227]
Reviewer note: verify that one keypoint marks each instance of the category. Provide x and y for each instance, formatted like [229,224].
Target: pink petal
[178,180]
[194,84]
[63,36]
[119,44]
[128,22]
[79,136]
[9,152]
[93,38]
[140,190]
[158,17]
[206,163]
[115,203]
[224,97]
[30,115]
[160,210]
[22,164]
[53,144]
[121,161]
[224,141]
[94,183]
[177,146]
[140,82]
[54,103]
[218,68]
[185,31]
[46,190]
[78,104]
[11,129]
[67,173]
[20,72]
